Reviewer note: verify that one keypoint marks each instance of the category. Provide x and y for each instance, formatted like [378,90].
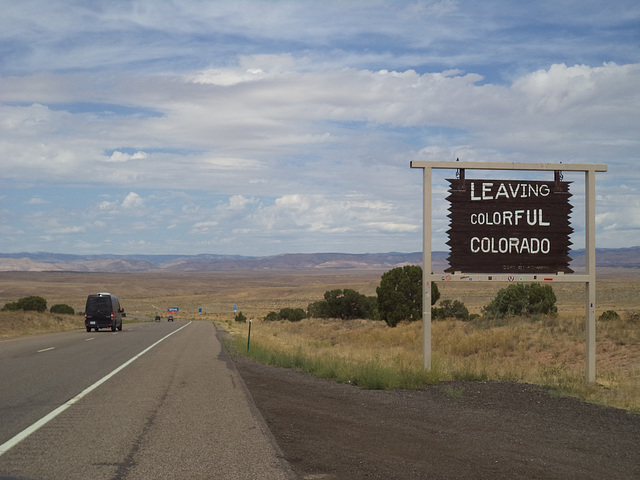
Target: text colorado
[511,245]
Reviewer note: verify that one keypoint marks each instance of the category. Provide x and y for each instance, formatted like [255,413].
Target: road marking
[87,339]
[46,349]
[6,446]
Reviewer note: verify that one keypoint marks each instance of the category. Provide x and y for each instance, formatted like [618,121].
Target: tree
[348,304]
[34,303]
[400,295]
[319,309]
[520,299]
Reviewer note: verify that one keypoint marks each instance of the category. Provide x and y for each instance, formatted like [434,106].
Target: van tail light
[111,318]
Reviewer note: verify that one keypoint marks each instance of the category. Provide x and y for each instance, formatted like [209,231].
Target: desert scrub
[372,355]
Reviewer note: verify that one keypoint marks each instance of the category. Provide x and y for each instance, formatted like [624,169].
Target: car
[170,318]
[103,310]
[157,318]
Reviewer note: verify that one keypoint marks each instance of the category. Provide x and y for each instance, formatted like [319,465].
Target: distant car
[170,319]
[157,318]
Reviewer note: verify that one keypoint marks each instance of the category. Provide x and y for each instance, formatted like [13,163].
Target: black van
[103,311]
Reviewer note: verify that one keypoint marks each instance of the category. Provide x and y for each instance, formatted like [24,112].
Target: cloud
[133,200]
[120,157]
[37,201]
[295,122]
[202,228]
[66,230]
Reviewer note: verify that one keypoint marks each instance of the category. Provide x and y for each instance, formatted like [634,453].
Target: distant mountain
[43,261]
[40,262]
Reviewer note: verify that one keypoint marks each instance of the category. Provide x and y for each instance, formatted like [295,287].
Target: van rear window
[98,305]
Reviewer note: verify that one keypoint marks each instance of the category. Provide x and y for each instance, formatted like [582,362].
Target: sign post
[507,230]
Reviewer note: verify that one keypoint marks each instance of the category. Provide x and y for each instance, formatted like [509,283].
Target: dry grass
[548,351]
[29,323]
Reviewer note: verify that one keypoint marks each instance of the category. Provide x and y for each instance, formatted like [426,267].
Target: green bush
[240,317]
[290,314]
[319,309]
[609,315]
[450,309]
[10,307]
[400,295]
[346,304]
[62,308]
[522,300]
[32,303]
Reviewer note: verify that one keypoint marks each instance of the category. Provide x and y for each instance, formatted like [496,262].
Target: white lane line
[88,339]
[6,446]
[46,349]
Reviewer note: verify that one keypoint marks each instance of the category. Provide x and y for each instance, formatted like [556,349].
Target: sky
[268,127]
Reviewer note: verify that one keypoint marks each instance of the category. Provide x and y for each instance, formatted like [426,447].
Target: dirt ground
[461,430]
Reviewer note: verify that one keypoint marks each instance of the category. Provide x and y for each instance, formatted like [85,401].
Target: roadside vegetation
[543,350]
[519,338]
[523,345]
[21,322]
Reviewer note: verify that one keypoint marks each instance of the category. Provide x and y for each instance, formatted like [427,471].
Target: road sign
[509,226]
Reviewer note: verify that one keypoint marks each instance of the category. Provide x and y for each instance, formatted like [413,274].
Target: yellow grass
[29,323]
[549,352]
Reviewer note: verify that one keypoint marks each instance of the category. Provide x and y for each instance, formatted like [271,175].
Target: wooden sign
[509,226]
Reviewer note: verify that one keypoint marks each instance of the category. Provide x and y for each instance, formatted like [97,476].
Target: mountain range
[43,261]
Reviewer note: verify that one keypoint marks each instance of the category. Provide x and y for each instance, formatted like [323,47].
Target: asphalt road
[178,410]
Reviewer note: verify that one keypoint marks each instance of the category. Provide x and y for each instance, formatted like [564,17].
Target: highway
[157,400]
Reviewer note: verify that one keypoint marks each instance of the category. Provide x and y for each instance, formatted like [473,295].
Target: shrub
[609,315]
[10,307]
[400,295]
[319,309]
[62,308]
[450,309]
[520,299]
[32,303]
[345,304]
[290,314]
[240,317]
[633,317]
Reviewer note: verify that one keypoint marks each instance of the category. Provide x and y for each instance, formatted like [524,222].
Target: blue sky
[267,127]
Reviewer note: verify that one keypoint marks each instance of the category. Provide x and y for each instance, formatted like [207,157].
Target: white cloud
[121,157]
[37,201]
[302,118]
[240,202]
[202,228]
[67,230]
[133,200]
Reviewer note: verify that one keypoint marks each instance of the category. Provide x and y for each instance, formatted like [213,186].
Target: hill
[43,261]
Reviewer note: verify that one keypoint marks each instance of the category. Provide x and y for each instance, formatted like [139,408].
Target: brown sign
[509,226]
